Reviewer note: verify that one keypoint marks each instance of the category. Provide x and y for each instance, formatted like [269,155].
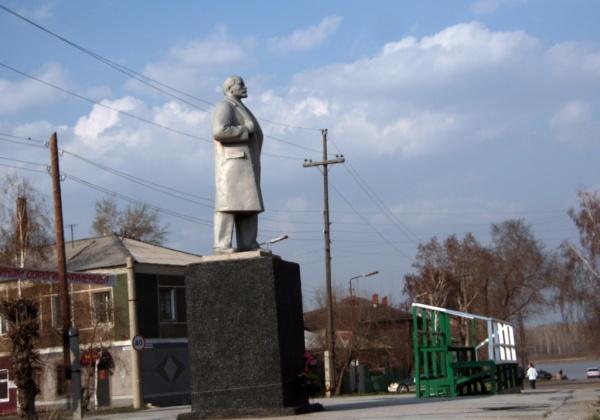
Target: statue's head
[235,87]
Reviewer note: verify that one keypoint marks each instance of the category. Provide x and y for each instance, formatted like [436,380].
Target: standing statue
[238,142]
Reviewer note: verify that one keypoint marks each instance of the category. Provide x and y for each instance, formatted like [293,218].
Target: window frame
[108,310]
[172,299]
[55,311]
[3,326]
[7,382]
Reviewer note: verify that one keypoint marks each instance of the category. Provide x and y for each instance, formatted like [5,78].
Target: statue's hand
[250,126]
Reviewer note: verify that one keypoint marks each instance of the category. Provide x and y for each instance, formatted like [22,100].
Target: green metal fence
[449,363]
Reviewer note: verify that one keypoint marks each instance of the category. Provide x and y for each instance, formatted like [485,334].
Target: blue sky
[454,115]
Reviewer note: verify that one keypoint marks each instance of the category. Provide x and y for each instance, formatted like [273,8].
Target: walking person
[532,375]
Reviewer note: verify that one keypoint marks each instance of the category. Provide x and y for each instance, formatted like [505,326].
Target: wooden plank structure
[448,362]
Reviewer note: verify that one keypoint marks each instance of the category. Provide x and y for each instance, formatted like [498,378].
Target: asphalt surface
[552,400]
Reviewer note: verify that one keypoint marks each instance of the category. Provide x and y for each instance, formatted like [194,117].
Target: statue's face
[239,90]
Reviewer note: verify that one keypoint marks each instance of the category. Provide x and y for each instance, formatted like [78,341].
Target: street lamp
[274,240]
[372,273]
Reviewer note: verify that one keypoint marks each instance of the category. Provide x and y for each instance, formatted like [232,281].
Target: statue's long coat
[237,158]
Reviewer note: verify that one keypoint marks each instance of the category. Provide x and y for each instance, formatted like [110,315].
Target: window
[56,309]
[167,304]
[172,304]
[3,326]
[102,302]
[4,385]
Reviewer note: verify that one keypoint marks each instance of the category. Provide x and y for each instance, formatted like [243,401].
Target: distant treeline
[559,340]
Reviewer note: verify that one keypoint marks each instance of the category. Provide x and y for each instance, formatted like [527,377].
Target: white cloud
[40,13]
[18,95]
[466,84]
[569,59]
[195,64]
[574,122]
[101,118]
[99,92]
[39,130]
[306,39]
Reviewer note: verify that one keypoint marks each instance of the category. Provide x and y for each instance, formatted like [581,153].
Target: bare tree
[587,220]
[579,285]
[23,329]
[431,283]
[107,217]
[137,221]
[520,272]
[25,228]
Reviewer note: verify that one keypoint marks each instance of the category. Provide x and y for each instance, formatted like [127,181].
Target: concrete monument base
[246,337]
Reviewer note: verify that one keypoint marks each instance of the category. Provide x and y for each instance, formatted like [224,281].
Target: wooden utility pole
[330,343]
[61,260]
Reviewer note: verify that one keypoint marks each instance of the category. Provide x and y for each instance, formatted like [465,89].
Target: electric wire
[142,78]
[140,181]
[363,185]
[134,116]
[41,146]
[127,198]
[24,161]
[22,168]
[364,219]
[84,98]
[21,137]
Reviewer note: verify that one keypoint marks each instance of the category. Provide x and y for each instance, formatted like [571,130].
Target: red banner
[13,273]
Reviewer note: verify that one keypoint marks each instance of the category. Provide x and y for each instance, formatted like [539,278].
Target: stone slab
[246,336]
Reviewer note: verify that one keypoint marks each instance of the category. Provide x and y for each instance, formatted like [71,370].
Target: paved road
[573,400]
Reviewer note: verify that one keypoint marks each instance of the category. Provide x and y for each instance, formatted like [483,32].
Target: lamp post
[274,240]
[372,273]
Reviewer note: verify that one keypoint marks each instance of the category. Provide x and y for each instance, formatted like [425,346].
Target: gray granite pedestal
[246,337]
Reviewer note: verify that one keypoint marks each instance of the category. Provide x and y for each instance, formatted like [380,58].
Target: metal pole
[22,224]
[133,331]
[355,332]
[60,253]
[75,373]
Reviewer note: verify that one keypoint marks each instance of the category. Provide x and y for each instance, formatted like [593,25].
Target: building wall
[165,372]
[151,323]
[51,394]
[8,405]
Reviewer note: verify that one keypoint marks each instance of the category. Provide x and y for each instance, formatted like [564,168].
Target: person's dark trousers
[532,382]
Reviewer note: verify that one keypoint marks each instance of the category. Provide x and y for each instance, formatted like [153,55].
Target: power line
[379,202]
[21,137]
[148,81]
[129,114]
[84,98]
[148,184]
[135,201]
[41,146]
[23,169]
[24,161]
[363,185]
[364,219]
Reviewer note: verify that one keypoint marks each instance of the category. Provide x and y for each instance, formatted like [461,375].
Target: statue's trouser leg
[246,229]
[223,231]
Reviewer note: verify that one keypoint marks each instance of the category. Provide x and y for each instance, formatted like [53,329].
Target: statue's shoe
[220,251]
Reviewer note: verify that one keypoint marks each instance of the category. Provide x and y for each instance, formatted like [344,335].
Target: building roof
[112,251]
[365,310]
